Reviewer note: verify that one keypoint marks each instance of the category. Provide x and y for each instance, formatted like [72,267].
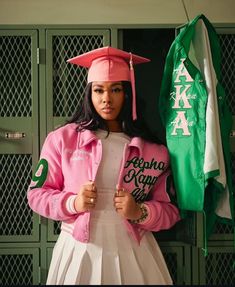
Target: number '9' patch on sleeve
[40,174]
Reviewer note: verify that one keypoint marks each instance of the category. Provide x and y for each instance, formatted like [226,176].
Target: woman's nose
[106,97]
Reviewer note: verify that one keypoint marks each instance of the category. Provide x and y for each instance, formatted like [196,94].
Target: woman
[108,183]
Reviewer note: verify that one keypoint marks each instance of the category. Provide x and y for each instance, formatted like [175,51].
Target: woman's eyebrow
[102,86]
[116,84]
[97,85]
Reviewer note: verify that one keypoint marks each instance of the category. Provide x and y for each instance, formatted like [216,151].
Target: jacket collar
[138,143]
[87,136]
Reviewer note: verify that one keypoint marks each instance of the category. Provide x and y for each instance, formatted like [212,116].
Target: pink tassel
[132,77]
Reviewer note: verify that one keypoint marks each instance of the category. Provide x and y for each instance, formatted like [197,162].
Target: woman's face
[108,99]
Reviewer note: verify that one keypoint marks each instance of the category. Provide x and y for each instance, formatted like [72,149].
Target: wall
[170,13]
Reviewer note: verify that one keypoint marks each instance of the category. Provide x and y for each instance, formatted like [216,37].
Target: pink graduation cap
[110,64]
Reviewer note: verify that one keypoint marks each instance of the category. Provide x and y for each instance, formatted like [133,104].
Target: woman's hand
[125,205]
[86,198]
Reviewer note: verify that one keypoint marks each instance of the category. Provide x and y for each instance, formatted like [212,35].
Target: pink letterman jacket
[70,158]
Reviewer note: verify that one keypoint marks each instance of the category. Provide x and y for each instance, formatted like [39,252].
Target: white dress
[111,257]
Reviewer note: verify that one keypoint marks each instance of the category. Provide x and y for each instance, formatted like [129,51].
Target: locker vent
[16,269]
[233,166]
[219,269]
[15,75]
[56,226]
[224,228]
[16,216]
[69,81]
[227,45]
[171,261]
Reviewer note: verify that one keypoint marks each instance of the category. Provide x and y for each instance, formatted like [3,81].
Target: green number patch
[40,174]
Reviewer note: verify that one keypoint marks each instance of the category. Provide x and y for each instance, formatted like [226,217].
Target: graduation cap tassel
[132,77]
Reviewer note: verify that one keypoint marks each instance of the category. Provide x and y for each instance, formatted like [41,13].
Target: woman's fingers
[87,197]
[90,193]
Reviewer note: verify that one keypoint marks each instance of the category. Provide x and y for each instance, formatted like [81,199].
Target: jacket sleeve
[162,209]
[45,193]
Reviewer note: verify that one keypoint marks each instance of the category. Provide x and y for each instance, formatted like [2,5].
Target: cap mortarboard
[110,64]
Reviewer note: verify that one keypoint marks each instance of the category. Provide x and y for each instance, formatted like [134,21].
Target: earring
[123,125]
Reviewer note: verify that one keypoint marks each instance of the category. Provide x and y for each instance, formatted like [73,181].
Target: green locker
[18,132]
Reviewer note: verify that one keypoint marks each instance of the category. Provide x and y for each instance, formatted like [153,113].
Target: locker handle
[14,135]
[232,134]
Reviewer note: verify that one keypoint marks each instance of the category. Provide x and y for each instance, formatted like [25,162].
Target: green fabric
[195,190]
[40,174]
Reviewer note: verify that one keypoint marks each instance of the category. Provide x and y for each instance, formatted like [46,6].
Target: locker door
[19,266]
[18,132]
[227,44]
[217,267]
[66,82]
[174,257]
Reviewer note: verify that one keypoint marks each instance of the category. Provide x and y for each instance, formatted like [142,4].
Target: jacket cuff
[148,218]
[70,204]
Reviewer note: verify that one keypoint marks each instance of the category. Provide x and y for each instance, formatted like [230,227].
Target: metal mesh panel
[227,44]
[224,228]
[219,269]
[16,269]
[15,76]
[171,261]
[16,216]
[56,226]
[233,167]
[69,81]
[186,228]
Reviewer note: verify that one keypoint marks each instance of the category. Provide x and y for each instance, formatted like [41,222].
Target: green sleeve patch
[40,174]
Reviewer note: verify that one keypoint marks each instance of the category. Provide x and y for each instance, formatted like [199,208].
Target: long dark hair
[86,117]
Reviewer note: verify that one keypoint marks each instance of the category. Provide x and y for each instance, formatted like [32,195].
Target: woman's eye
[116,90]
[98,91]
[113,90]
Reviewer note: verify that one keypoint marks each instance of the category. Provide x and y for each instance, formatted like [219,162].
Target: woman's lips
[107,110]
